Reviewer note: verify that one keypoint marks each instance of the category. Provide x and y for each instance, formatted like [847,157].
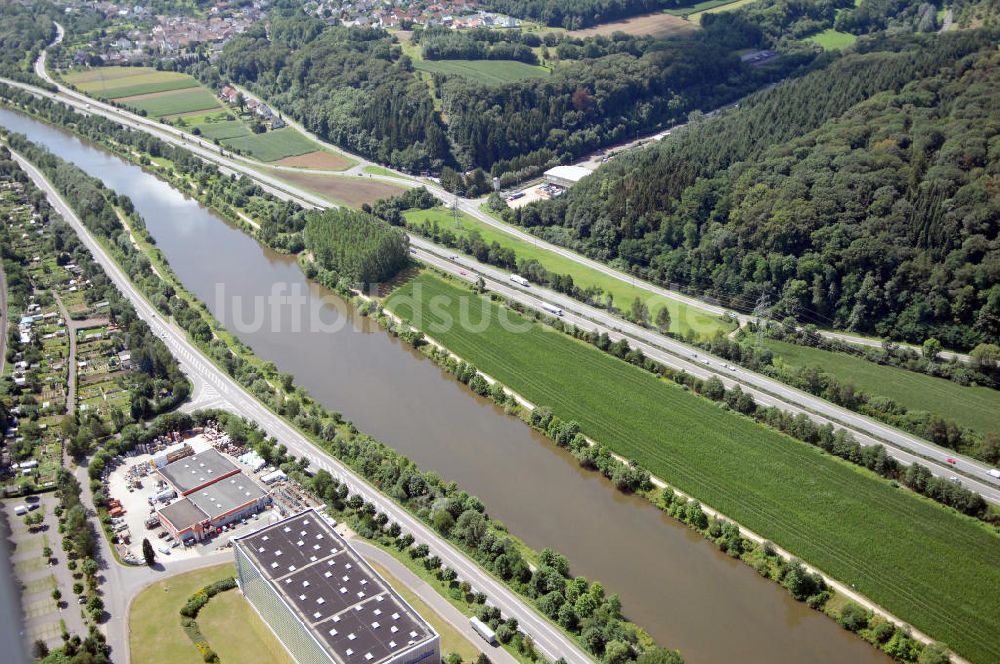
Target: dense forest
[348,85]
[861,197]
[355,87]
[24,30]
[356,245]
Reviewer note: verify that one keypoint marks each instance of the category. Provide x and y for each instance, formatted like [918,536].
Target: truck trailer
[483,630]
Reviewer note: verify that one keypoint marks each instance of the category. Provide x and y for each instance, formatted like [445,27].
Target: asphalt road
[472,206]
[907,449]
[214,387]
[902,446]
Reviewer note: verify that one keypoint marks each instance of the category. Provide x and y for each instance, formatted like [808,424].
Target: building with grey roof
[202,511]
[197,471]
[325,603]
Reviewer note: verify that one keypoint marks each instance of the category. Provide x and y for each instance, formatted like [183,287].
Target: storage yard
[190,494]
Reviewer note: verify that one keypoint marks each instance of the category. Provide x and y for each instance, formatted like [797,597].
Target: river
[671,581]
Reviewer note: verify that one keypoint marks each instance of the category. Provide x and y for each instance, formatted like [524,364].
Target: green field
[919,560]
[832,40]
[179,101]
[273,145]
[116,82]
[223,130]
[485,71]
[682,316]
[974,407]
[227,615]
[380,170]
[154,624]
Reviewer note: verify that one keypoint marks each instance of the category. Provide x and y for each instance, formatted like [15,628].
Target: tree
[934,653]
[931,349]
[241,101]
[147,552]
[663,320]
[853,617]
[660,656]
[39,650]
[639,312]
[56,595]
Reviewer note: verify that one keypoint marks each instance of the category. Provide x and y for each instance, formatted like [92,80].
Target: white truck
[552,309]
[483,630]
[993,472]
[521,281]
[20,510]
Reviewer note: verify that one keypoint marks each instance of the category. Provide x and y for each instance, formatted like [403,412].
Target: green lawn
[379,170]
[155,633]
[115,82]
[485,71]
[682,316]
[224,130]
[975,407]
[180,101]
[273,145]
[229,615]
[921,561]
[832,40]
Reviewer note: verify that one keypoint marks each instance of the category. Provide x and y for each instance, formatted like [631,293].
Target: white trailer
[521,281]
[993,472]
[552,309]
[483,630]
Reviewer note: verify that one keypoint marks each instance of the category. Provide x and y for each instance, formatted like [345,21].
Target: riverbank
[414,403]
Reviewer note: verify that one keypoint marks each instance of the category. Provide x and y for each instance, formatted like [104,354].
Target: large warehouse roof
[568,173]
[213,501]
[194,472]
[344,603]
[226,495]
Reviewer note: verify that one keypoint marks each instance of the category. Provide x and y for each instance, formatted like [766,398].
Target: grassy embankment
[975,407]
[156,635]
[683,317]
[921,561]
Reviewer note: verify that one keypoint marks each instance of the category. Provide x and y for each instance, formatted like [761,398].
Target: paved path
[549,639]
[432,598]
[71,373]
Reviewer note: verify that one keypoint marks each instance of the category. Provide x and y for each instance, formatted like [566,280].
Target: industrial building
[214,493]
[200,513]
[190,473]
[323,601]
[566,176]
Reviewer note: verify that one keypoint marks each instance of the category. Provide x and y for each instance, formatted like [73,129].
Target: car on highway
[993,472]
[951,460]
[164,550]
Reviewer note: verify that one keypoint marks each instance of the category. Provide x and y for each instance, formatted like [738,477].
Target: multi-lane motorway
[902,446]
[225,392]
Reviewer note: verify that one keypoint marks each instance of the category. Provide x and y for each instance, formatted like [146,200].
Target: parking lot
[135,485]
[537,192]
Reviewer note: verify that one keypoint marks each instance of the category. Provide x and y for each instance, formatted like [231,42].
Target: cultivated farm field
[117,82]
[975,407]
[925,563]
[173,102]
[272,145]
[485,71]
[352,191]
[656,24]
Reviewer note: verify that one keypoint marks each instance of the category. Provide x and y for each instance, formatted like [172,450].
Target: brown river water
[672,582]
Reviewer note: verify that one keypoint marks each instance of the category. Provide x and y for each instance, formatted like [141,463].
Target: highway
[904,447]
[467,205]
[213,387]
